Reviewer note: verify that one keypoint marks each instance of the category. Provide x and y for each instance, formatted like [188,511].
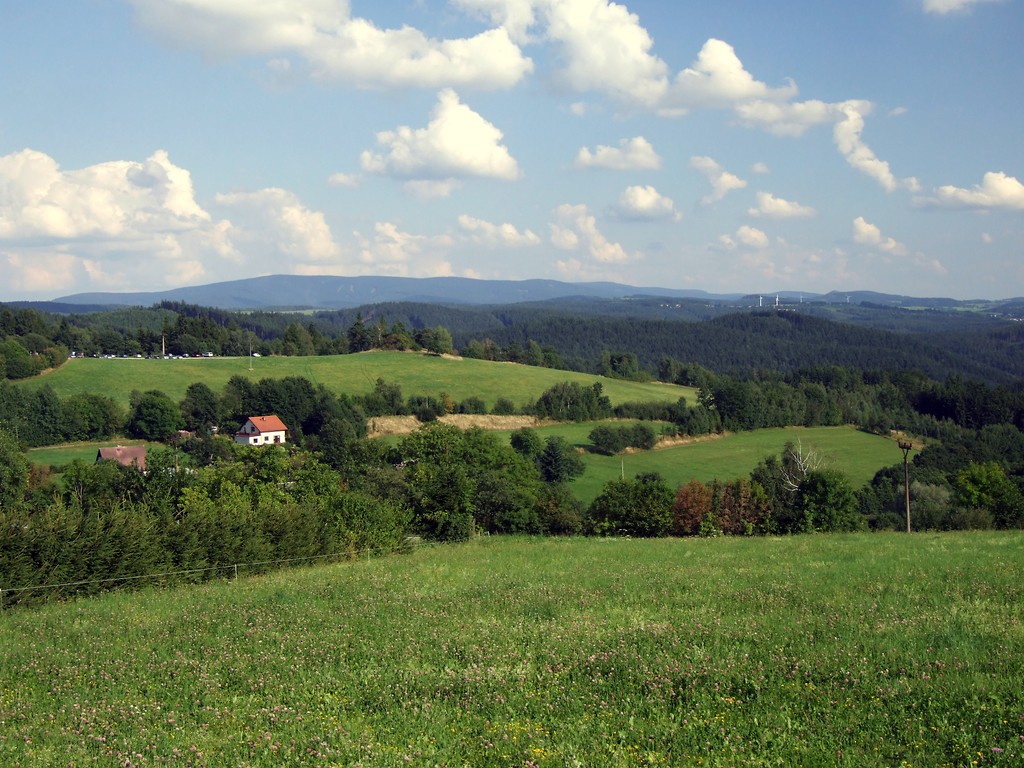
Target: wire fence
[232,568]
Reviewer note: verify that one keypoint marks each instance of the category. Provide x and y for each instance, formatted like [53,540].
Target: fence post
[236,571]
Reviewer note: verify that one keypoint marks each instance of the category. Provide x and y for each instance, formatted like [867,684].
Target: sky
[735,146]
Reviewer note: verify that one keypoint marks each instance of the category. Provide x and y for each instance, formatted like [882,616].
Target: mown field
[62,455]
[856,454]
[417,374]
[853,650]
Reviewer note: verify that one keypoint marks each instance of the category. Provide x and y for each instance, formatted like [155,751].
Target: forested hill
[734,342]
[576,333]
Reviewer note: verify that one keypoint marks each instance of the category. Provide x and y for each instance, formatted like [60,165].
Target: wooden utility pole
[905,446]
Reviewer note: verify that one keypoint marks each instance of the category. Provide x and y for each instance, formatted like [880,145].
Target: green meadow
[856,454]
[62,455]
[848,650]
[417,374]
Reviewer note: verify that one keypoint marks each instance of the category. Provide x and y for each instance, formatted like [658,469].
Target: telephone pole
[905,446]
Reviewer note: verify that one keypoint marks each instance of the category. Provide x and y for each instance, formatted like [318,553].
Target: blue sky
[734,146]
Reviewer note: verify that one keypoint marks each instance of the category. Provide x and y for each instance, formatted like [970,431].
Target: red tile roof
[268,424]
[125,454]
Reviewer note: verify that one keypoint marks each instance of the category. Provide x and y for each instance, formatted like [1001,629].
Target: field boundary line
[233,567]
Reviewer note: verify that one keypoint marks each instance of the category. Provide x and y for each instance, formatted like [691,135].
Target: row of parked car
[140,357]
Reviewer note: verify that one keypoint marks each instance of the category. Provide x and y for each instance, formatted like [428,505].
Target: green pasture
[417,374]
[856,454]
[62,455]
[845,650]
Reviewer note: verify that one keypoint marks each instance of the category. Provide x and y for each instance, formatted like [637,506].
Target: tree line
[626,342]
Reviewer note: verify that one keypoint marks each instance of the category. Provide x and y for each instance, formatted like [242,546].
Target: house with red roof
[262,430]
[128,455]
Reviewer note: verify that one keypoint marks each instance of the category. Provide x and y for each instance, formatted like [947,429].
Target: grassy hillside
[857,650]
[856,454]
[352,374]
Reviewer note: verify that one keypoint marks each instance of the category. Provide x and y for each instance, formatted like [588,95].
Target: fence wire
[354,555]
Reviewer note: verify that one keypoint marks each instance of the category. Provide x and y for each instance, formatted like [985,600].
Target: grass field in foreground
[853,650]
[417,374]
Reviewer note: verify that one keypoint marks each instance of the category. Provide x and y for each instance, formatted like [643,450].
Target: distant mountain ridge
[328,292]
[275,292]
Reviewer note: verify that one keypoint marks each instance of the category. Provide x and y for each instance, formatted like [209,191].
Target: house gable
[127,455]
[262,430]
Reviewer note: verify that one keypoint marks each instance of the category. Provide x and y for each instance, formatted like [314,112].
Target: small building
[261,430]
[128,455]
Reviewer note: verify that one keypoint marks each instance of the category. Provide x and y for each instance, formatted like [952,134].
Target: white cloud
[771,207]
[350,180]
[496,235]
[631,155]
[112,226]
[645,203]
[997,191]
[722,182]
[868,234]
[335,45]
[272,223]
[393,252]
[457,143]
[847,135]
[429,189]
[942,7]
[752,237]
[605,49]
[126,225]
[746,237]
[718,79]
[847,120]
[116,199]
[761,169]
[576,229]
[785,118]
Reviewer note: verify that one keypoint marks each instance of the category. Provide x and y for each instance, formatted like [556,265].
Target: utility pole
[905,446]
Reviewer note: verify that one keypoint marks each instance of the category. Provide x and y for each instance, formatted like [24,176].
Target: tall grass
[851,650]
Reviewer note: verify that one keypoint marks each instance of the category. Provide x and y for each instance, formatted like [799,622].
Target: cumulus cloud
[456,144]
[390,251]
[575,228]
[334,44]
[645,203]
[942,7]
[997,191]
[344,180]
[114,199]
[744,237]
[785,118]
[605,48]
[127,225]
[722,182]
[751,237]
[114,225]
[718,79]
[631,155]
[847,135]
[869,235]
[496,235]
[272,223]
[771,207]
